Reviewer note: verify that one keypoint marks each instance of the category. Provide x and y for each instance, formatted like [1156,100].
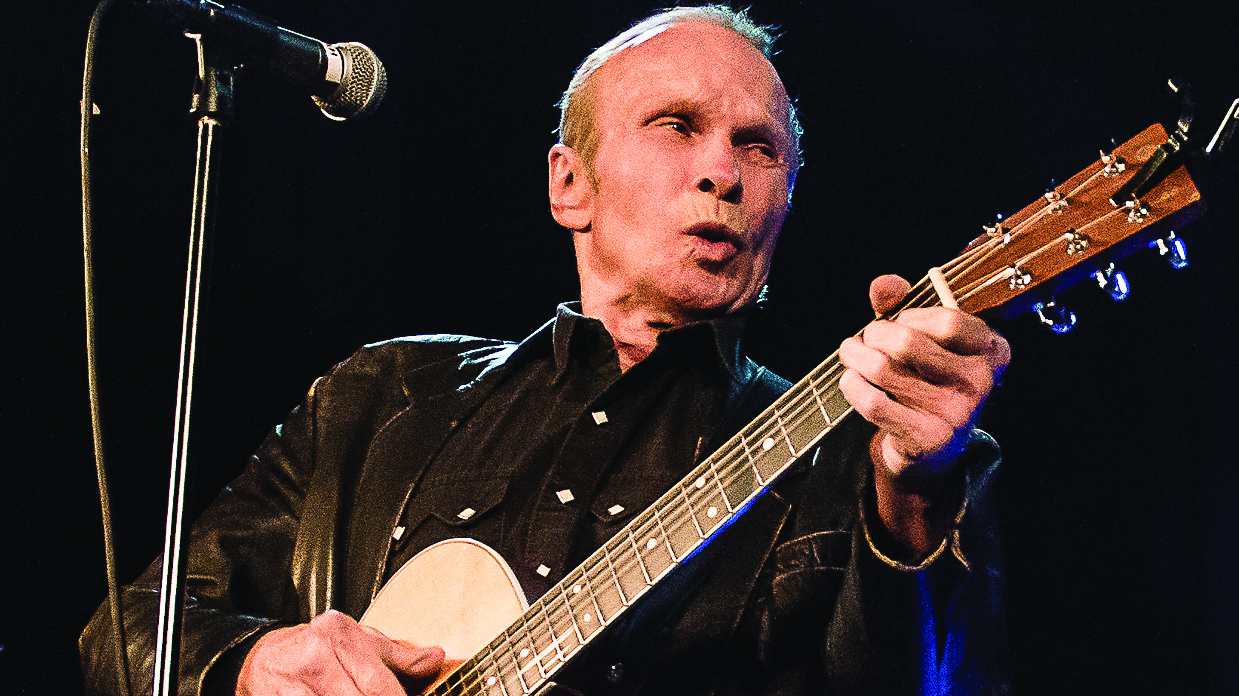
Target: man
[678,155]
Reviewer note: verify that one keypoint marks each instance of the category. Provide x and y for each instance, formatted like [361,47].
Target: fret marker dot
[711,512]
[466,513]
[565,496]
[768,443]
[615,509]
[490,681]
[600,417]
[587,617]
[651,543]
[700,482]
[543,571]
[576,589]
[524,652]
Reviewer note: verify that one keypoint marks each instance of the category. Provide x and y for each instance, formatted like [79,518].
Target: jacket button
[616,672]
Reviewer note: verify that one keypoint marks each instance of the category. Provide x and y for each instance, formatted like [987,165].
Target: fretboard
[680,523]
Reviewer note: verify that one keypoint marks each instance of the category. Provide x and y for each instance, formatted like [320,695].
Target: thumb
[886,291]
[406,658]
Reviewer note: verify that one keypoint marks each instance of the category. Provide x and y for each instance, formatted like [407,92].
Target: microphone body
[346,80]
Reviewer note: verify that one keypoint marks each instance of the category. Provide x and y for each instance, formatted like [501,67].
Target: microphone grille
[363,82]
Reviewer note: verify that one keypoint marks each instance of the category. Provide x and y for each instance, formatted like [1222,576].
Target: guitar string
[770,428]
[542,616]
[547,624]
[682,513]
[1021,226]
[647,523]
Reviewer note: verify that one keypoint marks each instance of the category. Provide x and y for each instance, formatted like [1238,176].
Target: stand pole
[212,104]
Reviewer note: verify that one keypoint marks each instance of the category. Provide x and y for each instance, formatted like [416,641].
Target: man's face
[692,173]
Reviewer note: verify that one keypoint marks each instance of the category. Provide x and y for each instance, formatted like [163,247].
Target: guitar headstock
[1072,232]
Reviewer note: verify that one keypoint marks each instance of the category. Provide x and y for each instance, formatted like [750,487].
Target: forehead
[691,63]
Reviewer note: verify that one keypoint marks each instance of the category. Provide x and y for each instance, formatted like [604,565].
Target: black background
[923,120]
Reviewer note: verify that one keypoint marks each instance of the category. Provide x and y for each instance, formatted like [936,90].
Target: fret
[818,395]
[783,426]
[709,506]
[541,640]
[629,573]
[487,678]
[510,671]
[636,551]
[738,483]
[464,679]
[676,556]
[524,652]
[566,612]
[550,628]
[469,676]
[584,612]
[560,624]
[607,593]
[688,507]
[680,529]
[653,549]
[808,426]
[836,405]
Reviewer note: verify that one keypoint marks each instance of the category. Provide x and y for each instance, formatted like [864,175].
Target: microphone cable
[88,108]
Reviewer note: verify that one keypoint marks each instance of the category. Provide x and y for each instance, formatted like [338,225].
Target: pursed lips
[718,242]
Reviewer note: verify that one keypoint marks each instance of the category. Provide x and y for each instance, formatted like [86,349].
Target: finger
[406,658]
[916,436]
[877,368]
[363,657]
[958,332]
[886,291]
[919,355]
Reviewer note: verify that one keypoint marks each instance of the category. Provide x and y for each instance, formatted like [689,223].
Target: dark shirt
[567,449]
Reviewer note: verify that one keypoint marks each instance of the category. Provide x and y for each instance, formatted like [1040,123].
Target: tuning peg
[1114,282]
[1174,246]
[1059,319]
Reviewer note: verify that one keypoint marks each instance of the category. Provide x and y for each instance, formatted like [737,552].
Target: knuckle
[882,371]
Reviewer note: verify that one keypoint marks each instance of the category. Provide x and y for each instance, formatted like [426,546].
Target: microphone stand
[213,107]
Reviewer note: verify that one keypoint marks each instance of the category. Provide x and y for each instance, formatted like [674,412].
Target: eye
[760,152]
[674,123]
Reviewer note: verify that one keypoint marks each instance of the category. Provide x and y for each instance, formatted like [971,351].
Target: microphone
[345,80]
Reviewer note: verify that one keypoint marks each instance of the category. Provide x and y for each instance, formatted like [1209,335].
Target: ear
[572,192]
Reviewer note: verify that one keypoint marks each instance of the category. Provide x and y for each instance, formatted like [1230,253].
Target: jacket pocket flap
[610,509]
[460,503]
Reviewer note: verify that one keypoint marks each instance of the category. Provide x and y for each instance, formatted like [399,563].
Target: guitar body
[458,594]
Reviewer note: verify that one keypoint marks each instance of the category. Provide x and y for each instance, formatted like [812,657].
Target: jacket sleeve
[831,616]
[240,578]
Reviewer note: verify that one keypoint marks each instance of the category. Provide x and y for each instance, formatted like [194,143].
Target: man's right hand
[333,656]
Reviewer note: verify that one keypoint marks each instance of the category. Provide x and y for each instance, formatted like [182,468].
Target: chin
[700,300]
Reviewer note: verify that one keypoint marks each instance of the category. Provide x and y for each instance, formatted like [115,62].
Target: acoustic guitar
[461,595]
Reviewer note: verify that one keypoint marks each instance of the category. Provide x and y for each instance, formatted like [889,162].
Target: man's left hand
[921,379]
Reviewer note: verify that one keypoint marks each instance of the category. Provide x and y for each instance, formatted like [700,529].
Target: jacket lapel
[394,463]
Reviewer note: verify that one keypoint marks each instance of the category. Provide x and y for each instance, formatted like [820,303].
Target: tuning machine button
[1137,211]
[1173,247]
[1057,318]
[1114,282]
[1114,164]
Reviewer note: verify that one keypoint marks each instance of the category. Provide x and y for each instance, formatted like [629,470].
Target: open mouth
[717,241]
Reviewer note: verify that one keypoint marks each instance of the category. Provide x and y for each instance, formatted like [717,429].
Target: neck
[634,329]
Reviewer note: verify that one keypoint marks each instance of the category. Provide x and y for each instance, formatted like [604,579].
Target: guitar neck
[680,523]
[1067,234]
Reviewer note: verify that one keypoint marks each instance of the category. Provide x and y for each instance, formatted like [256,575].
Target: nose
[719,173]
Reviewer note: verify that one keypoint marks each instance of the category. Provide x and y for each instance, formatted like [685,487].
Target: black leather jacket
[307,526]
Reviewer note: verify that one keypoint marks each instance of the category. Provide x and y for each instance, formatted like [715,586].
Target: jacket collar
[724,335]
